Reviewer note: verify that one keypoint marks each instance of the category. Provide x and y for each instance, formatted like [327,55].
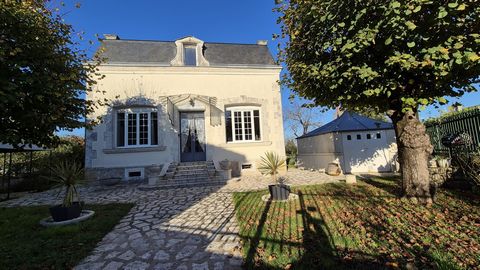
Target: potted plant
[67,175]
[270,165]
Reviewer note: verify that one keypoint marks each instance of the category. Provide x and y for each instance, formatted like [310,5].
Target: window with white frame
[189,55]
[137,127]
[242,124]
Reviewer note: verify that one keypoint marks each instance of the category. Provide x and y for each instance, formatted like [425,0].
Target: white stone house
[182,101]
[357,143]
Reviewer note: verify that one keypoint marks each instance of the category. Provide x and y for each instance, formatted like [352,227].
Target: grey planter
[279,192]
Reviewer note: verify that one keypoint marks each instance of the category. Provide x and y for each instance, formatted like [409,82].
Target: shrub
[270,164]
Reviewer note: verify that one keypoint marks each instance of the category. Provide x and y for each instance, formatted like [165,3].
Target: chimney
[111,36]
[262,42]
[338,112]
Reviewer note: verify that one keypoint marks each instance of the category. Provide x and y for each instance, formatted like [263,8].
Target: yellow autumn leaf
[444,50]
[473,57]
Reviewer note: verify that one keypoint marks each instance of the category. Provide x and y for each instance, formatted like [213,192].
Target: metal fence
[466,122]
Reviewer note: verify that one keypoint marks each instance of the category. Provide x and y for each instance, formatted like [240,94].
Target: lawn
[24,244]
[362,226]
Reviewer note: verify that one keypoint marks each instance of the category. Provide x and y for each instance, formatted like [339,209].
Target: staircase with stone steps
[185,174]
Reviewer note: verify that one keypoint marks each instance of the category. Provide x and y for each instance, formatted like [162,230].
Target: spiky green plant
[270,165]
[68,175]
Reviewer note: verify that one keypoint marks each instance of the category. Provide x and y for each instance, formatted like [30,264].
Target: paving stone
[201,266]
[218,265]
[218,257]
[235,261]
[182,267]
[90,266]
[199,256]
[92,258]
[106,247]
[134,236]
[162,256]
[139,245]
[185,252]
[136,265]
[112,255]
[127,255]
[163,266]
[173,242]
[146,256]
[113,266]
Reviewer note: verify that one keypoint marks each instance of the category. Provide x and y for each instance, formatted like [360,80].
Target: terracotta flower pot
[333,169]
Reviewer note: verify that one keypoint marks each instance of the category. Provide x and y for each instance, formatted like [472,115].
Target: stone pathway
[184,228]
[187,229]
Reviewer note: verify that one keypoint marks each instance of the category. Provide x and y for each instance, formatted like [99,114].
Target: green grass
[362,226]
[24,244]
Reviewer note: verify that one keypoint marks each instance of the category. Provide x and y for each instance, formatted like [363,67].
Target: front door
[192,136]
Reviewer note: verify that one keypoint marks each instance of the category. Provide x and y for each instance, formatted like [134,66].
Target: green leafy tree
[374,114]
[387,56]
[43,75]
[291,148]
[291,151]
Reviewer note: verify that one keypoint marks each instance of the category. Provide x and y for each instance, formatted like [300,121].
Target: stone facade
[172,88]
[99,173]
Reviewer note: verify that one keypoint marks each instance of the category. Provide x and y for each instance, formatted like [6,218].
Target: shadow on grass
[24,244]
[364,226]
[319,243]
[281,235]
[391,185]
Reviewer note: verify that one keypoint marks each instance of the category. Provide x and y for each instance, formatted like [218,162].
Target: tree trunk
[414,149]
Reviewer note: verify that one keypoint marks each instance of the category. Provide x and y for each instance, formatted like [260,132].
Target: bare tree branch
[301,119]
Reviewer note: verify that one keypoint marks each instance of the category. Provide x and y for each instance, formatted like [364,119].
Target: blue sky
[212,20]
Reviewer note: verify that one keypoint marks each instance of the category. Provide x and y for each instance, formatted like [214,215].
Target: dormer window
[189,55]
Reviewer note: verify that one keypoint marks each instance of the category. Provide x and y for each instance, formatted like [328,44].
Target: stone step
[190,181]
[191,172]
[193,163]
[182,185]
[179,182]
[188,168]
[190,178]
[193,176]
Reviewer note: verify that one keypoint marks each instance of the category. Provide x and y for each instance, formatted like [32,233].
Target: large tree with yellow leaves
[390,56]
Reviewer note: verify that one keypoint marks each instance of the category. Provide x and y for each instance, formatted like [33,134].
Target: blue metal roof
[349,121]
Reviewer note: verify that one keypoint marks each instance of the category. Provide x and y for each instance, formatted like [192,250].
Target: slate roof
[162,52]
[349,121]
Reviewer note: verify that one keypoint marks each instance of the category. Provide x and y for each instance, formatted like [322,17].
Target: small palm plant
[270,164]
[68,175]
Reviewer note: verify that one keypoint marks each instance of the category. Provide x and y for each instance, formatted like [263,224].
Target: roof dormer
[189,53]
